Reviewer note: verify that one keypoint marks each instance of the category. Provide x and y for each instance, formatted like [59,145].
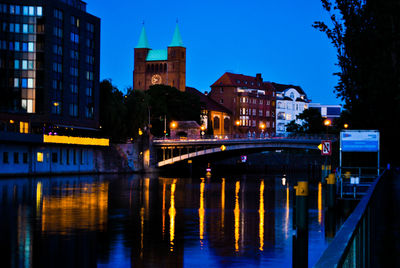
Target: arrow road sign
[326,148]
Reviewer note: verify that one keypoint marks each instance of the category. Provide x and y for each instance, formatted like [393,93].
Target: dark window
[227,123]
[67,150]
[16,158]
[54,157]
[216,122]
[25,158]
[61,153]
[74,156]
[5,157]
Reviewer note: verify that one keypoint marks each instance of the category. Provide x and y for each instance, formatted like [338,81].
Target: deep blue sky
[274,38]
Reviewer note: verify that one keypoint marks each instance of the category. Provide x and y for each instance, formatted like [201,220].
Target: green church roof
[157,54]
[176,39]
[143,43]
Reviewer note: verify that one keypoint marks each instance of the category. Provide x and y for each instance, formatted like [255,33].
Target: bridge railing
[355,245]
[253,137]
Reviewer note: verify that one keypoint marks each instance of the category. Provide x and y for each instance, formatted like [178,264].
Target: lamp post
[237,124]
[327,123]
[202,128]
[173,125]
[262,127]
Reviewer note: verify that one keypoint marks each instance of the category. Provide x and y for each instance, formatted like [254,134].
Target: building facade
[219,117]
[250,100]
[290,102]
[328,111]
[49,66]
[160,66]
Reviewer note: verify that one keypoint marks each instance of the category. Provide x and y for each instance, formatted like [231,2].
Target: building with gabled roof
[213,113]
[290,102]
[160,66]
[251,101]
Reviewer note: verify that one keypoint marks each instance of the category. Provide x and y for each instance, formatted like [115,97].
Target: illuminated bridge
[169,151]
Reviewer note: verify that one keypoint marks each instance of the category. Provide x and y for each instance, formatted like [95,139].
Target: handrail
[336,253]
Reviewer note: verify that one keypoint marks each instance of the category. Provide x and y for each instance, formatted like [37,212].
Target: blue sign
[359,141]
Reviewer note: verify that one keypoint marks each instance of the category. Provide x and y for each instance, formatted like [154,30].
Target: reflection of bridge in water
[170,151]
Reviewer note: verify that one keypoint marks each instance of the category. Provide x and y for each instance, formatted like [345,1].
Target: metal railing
[355,245]
[253,137]
[353,182]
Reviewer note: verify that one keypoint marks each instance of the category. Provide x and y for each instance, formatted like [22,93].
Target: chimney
[259,78]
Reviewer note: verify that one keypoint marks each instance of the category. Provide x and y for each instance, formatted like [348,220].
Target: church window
[152,68]
[216,122]
[161,67]
[156,68]
[148,68]
[165,67]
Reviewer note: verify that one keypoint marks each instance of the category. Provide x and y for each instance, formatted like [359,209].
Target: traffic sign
[326,148]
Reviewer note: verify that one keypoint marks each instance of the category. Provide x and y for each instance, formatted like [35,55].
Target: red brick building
[251,101]
[159,66]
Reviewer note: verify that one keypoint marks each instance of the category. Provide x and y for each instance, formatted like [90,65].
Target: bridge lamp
[173,125]
[223,147]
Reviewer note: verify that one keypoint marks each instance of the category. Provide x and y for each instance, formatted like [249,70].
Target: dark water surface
[124,221]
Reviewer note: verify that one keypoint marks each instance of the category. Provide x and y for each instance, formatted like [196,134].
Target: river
[154,221]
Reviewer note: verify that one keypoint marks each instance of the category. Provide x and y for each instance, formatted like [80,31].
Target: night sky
[274,38]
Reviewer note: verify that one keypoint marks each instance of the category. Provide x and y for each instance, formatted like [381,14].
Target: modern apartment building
[49,66]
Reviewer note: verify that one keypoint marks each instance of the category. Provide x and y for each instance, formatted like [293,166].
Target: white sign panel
[359,140]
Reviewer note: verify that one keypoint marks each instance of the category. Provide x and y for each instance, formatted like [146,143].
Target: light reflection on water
[153,221]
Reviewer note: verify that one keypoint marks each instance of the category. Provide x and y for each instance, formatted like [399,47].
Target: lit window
[16,64]
[16,82]
[39,11]
[25,28]
[23,127]
[30,82]
[30,47]
[31,11]
[25,11]
[16,28]
[39,157]
[24,83]
[24,64]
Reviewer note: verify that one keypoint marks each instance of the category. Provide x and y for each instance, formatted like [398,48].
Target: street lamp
[173,125]
[262,127]
[346,125]
[327,123]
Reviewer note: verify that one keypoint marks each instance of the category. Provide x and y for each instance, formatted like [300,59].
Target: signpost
[326,148]
[359,141]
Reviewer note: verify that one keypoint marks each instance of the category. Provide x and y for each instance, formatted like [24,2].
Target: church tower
[161,66]
[139,70]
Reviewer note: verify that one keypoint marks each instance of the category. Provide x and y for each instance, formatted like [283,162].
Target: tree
[365,34]
[312,122]
[137,111]
[112,111]
[173,104]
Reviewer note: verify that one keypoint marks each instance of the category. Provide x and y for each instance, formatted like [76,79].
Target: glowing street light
[237,123]
[173,125]
[327,122]
[346,125]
